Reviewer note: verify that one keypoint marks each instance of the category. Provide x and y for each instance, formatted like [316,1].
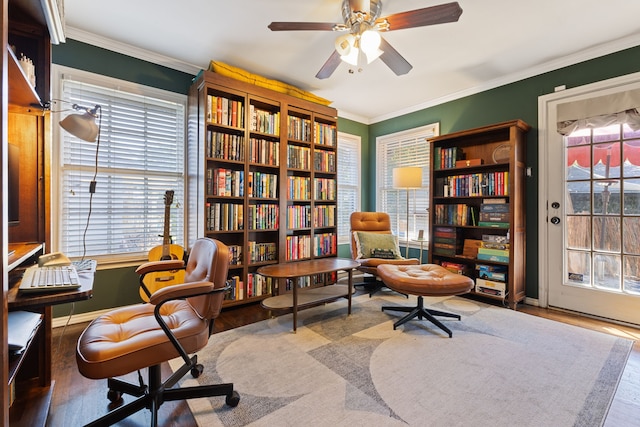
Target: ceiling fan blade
[301,26]
[440,14]
[393,59]
[330,66]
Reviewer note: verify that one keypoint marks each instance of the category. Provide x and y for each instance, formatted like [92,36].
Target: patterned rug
[501,368]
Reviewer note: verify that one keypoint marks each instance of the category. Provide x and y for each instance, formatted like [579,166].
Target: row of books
[257,285]
[264,151]
[226,146]
[455,214]
[324,216]
[298,247]
[225,111]
[316,279]
[324,161]
[235,254]
[225,216]
[325,244]
[446,241]
[263,216]
[299,128]
[446,157]
[261,252]
[298,188]
[298,216]
[262,185]
[326,134]
[298,157]
[264,121]
[475,184]
[324,189]
[225,182]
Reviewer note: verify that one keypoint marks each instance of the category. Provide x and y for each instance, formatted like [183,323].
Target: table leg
[350,290]
[296,282]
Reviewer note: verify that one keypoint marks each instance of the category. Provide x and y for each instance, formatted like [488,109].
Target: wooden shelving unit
[476,175]
[262,168]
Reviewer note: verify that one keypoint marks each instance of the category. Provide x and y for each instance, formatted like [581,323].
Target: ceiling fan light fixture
[352,57]
[344,44]
[370,41]
[372,56]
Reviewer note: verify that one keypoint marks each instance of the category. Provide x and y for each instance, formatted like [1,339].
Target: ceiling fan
[362,42]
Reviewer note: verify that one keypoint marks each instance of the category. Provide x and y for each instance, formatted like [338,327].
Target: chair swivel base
[156,393]
[421,312]
[373,285]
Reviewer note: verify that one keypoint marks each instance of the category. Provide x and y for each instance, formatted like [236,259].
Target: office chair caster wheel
[114,396]
[197,370]
[233,399]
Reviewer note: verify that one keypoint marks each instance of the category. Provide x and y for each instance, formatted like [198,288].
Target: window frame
[61,109]
[355,141]
[418,199]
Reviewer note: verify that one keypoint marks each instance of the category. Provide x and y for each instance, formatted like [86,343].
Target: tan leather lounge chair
[385,247]
[176,322]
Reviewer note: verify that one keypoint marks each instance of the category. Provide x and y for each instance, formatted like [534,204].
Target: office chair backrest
[208,261]
[374,222]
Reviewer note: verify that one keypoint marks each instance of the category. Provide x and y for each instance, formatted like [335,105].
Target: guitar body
[168,250]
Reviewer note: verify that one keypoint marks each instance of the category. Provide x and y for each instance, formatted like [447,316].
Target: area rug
[501,368]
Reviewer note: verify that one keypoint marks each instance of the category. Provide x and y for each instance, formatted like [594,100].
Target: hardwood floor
[77,400]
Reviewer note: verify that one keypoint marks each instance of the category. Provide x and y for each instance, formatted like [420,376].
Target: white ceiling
[494,42]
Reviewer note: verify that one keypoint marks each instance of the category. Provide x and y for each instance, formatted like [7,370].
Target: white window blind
[141,156]
[348,183]
[404,149]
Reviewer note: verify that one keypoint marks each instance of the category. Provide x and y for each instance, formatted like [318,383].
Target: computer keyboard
[48,279]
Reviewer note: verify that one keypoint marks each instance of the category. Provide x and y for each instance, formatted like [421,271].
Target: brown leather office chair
[373,222]
[176,322]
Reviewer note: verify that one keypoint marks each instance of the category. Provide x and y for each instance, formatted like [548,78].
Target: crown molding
[129,50]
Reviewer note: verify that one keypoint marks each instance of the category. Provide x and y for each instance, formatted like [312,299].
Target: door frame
[547,109]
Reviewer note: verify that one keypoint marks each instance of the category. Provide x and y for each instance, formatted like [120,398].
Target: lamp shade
[408,177]
[81,126]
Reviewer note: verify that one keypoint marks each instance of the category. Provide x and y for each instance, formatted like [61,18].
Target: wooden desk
[31,371]
[309,296]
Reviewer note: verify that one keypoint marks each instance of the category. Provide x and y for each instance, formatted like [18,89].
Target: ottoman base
[421,312]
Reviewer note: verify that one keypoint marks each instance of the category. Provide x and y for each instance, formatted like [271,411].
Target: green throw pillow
[384,245]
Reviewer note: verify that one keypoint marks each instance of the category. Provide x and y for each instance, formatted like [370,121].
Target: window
[140,157]
[348,183]
[404,149]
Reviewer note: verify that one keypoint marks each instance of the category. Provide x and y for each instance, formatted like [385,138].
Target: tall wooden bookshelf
[477,200]
[262,178]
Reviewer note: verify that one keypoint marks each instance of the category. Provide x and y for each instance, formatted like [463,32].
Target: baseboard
[74,319]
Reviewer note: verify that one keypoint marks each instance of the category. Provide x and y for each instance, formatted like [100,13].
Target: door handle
[555,220]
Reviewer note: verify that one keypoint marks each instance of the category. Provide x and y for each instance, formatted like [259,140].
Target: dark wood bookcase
[477,207]
[262,179]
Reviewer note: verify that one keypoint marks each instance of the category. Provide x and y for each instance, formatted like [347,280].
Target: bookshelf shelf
[273,150]
[477,205]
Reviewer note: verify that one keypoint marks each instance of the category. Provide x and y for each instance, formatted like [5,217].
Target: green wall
[518,100]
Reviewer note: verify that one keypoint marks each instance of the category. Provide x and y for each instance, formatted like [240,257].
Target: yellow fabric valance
[248,77]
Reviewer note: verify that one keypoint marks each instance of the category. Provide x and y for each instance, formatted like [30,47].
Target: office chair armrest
[164,265]
[183,290]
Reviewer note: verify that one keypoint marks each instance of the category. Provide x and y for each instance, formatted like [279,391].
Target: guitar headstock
[168,197]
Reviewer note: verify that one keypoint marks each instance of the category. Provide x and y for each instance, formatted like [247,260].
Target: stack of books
[446,241]
[494,213]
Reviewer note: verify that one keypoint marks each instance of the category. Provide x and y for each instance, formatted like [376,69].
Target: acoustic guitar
[168,250]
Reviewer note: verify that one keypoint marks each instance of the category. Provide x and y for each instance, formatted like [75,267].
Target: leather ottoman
[423,280]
